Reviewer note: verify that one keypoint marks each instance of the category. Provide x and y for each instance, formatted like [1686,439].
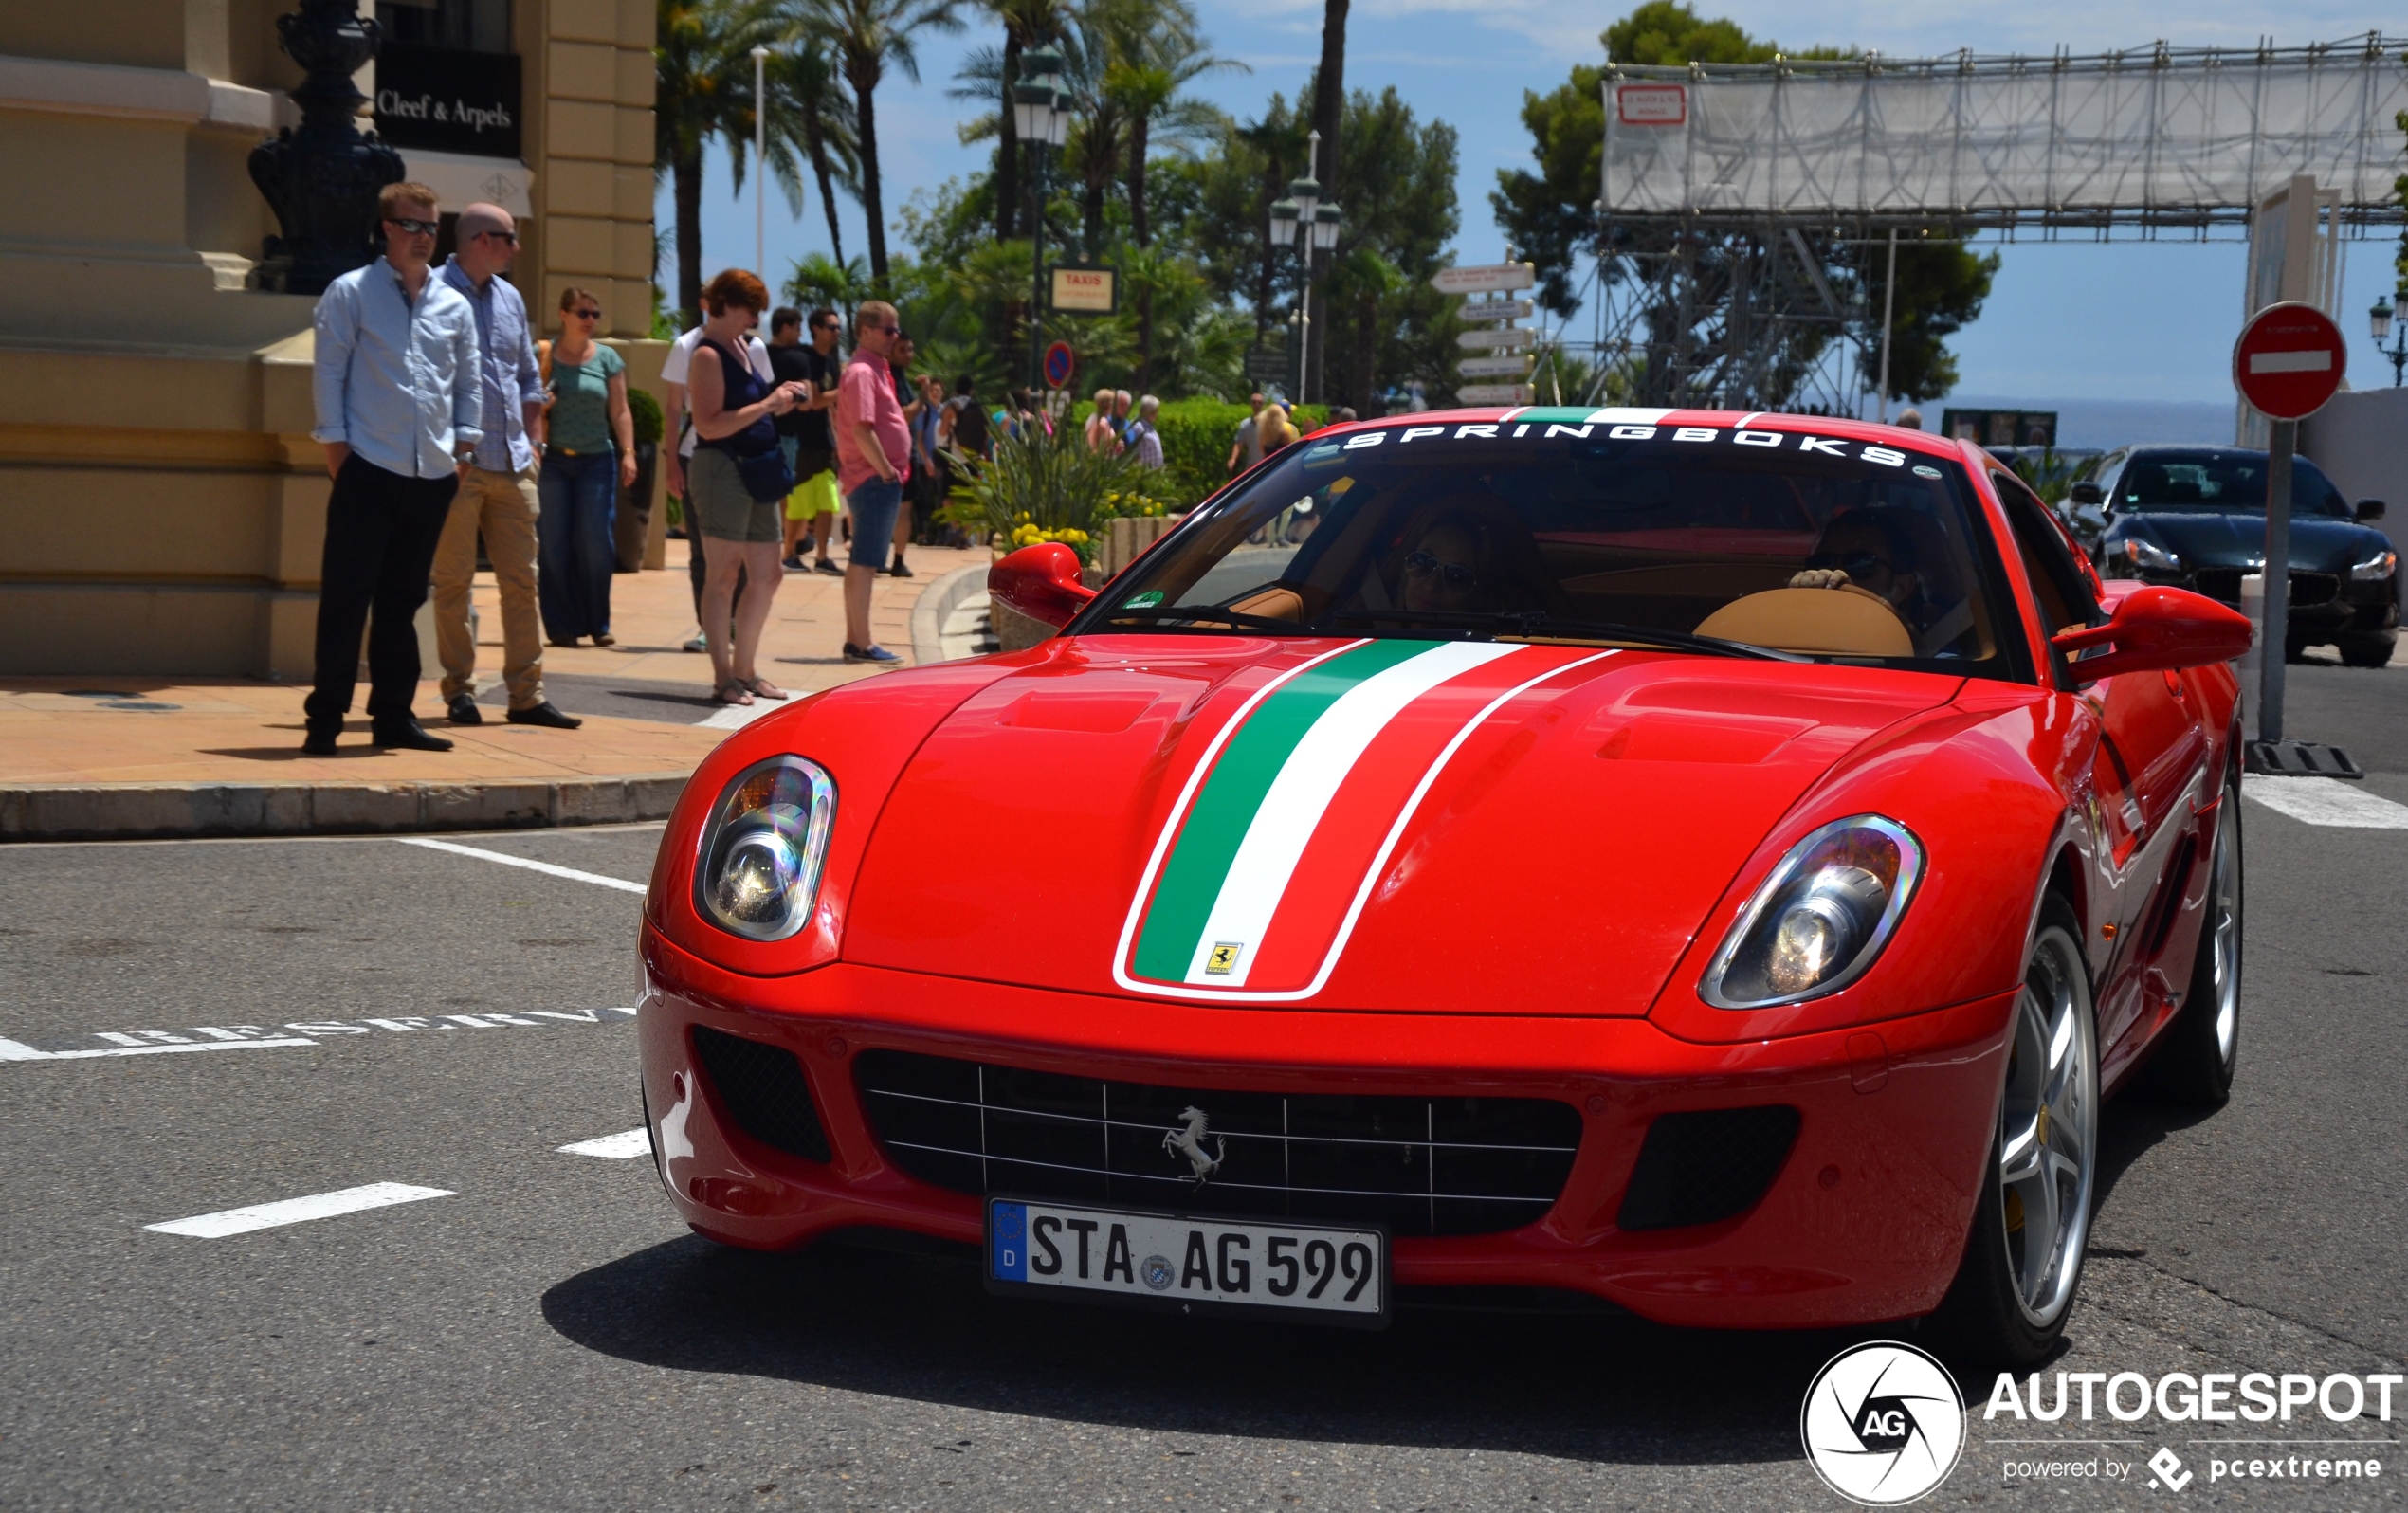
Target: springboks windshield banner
[1273,845]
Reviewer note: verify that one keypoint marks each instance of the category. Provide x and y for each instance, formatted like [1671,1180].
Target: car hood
[2209,538]
[1440,827]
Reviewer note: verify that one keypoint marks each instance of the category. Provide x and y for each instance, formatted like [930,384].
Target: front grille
[2314,588]
[762,1086]
[1418,1165]
[2306,587]
[1696,1168]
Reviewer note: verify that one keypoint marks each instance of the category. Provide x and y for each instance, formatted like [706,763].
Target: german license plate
[1312,1272]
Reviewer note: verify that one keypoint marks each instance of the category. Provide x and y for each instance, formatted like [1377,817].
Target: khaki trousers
[504,507]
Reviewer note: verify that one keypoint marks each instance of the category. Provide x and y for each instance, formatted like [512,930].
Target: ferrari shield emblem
[1224,958]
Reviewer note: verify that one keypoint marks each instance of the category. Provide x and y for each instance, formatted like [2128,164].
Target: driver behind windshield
[1875,552]
[1443,571]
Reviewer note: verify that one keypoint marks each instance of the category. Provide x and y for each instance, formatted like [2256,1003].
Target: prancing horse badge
[1224,958]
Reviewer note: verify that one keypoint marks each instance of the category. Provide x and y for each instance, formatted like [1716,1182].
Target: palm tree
[866,38]
[819,279]
[703,87]
[1156,53]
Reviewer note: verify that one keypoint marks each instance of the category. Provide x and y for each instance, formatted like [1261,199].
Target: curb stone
[93,812]
[936,604]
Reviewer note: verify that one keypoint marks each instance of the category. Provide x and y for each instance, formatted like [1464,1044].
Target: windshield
[1706,538]
[2221,479]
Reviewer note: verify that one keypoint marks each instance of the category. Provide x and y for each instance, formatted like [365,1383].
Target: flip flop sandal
[733,693]
[766,690]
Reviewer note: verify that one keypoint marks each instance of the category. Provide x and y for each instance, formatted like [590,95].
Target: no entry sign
[2289,360]
[1059,365]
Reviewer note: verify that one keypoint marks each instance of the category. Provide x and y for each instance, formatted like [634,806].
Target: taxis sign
[1086,289]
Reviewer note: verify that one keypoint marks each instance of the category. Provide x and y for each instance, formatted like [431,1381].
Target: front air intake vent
[1696,1168]
[762,1089]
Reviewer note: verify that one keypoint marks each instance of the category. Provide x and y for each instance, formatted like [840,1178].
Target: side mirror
[1041,582]
[2370,509]
[2085,494]
[2158,628]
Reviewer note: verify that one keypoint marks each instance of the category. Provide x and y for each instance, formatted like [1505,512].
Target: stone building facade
[161,503]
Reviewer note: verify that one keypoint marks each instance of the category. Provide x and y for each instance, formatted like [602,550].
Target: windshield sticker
[1625,429]
[1145,601]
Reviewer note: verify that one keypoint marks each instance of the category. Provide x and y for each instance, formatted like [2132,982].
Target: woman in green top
[581,477]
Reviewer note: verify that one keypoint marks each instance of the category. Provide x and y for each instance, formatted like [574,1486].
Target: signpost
[1494,278]
[1060,363]
[1494,393]
[1497,310]
[2287,364]
[1515,366]
[1506,337]
[1081,288]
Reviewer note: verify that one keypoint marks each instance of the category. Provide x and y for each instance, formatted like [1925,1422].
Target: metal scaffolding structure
[1745,210]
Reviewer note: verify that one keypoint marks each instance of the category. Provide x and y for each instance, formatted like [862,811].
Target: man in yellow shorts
[810,447]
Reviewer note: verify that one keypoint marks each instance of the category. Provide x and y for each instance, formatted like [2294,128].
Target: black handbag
[766,476]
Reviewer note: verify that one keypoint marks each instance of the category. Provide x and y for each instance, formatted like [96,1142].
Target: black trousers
[381,530]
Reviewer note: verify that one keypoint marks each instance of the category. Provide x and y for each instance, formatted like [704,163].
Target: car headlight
[2151,556]
[1821,918]
[757,873]
[2376,568]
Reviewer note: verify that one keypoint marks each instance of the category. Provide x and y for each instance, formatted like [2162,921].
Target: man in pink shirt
[873,457]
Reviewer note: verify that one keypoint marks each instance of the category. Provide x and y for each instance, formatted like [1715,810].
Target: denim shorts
[874,504]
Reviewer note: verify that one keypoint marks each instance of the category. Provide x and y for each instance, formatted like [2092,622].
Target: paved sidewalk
[114,756]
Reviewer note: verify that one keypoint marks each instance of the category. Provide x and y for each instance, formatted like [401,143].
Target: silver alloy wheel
[2224,899]
[2047,1128]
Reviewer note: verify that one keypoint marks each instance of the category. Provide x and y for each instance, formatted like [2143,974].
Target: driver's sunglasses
[1455,575]
[414,227]
[1849,562]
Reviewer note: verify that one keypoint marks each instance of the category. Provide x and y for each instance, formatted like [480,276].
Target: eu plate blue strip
[1010,1234]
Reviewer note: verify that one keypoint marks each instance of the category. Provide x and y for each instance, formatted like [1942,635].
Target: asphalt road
[548,1336]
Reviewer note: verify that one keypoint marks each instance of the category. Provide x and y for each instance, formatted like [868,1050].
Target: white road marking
[529,863]
[736,716]
[611,1147]
[2327,801]
[298,1210]
[15,1050]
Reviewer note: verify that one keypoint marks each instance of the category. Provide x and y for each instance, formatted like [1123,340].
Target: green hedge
[1197,437]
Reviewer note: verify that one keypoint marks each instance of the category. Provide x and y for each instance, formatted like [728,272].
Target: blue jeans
[575,554]
[874,507]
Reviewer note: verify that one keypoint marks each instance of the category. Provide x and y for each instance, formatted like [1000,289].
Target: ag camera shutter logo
[1883,1424]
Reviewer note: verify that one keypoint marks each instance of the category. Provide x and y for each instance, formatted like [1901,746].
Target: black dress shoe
[319,743]
[464,710]
[409,736]
[546,713]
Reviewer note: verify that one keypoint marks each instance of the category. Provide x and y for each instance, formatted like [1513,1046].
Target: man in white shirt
[673,381]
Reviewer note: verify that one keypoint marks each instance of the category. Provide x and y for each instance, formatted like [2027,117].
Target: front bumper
[1864,1220]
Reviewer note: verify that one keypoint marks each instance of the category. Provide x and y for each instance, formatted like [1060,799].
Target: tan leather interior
[1845,621]
[1273,604]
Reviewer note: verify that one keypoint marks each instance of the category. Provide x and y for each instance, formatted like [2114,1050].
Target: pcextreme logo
[1883,1424]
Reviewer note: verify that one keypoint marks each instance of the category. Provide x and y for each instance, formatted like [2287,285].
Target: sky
[2065,322]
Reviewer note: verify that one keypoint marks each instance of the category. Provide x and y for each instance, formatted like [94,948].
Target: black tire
[2196,1055]
[1987,1320]
[2367,651]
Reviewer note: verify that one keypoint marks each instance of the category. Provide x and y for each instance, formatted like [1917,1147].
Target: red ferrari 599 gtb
[1714,863]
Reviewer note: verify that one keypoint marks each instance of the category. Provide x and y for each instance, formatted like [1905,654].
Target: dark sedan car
[2194,516]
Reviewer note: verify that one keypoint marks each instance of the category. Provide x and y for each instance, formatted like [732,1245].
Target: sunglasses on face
[511,237]
[1454,574]
[415,227]
[586,315]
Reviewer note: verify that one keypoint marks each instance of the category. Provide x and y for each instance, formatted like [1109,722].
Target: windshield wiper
[1239,618]
[1538,622]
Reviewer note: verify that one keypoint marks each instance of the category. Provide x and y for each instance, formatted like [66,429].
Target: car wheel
[2367,651]
[2014,1288]
[2198,1052]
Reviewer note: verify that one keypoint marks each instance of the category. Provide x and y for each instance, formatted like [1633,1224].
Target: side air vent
[762,1086]
[1699,1167]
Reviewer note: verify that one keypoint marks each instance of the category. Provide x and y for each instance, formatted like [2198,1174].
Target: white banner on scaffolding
[2172,131]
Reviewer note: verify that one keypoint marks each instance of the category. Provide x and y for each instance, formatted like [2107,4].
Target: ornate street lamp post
[2381,318]
[1043,117]
[1302,222]
[322,180]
